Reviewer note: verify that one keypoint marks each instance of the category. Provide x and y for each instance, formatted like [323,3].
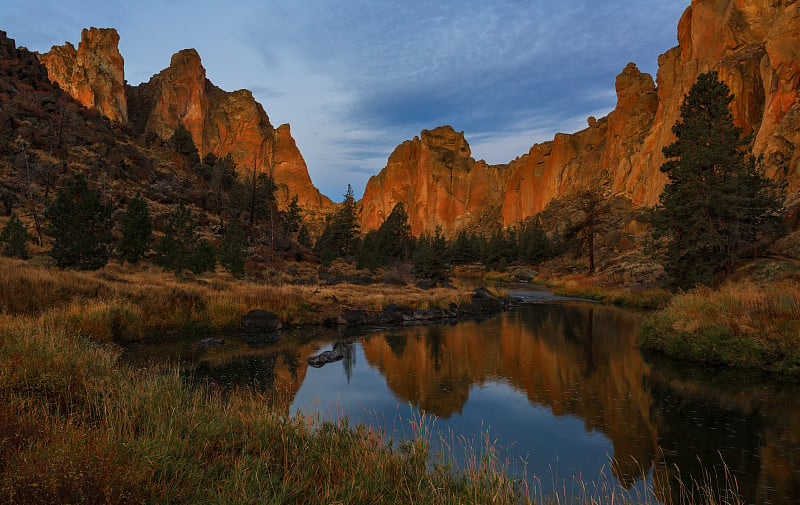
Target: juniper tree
[716,203]
[137,230]
[181,247]
[80,225]
[232,253]
[431,257]
[14,238]
[340,238]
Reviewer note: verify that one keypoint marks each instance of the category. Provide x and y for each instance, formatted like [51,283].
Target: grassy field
[750,322]
[122,303]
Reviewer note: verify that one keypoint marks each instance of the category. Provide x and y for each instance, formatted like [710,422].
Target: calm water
[559,386]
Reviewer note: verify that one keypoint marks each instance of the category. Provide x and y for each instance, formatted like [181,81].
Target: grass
[578,286]
[76,426]
[122,303]
[747,324]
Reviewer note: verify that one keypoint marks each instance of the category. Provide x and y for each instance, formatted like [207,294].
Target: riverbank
[752,321]
[122,303]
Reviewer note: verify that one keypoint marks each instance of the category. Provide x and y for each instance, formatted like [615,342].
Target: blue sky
[356,77]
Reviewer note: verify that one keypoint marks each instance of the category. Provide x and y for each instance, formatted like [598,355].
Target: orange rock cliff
[753,44]
[220,122]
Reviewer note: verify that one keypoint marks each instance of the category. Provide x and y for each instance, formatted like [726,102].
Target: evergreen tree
[465,249]
[183,143]
[80,225]
[257,196]
[716,203]
[534,244]
[303,237]
[223,178]
[15,238]
[370,256]
[593,211]
[232,253]
[137,230]
[431,259]
[340,238]
[394,239]
[292,217]
[181,247]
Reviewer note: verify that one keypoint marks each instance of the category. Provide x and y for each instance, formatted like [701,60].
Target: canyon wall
[754,45]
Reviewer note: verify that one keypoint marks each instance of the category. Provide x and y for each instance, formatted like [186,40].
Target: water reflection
[561,384]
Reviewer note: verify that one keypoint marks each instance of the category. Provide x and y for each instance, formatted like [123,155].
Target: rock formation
[93,74]
[225,123]
[220,122]
[754,45]
[439,183]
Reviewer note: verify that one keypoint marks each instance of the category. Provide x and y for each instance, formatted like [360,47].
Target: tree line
[715,207]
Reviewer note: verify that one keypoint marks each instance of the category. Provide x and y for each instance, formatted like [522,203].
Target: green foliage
[183,143]
[80,225]
[15,238]
[340,238]
[232,253]
[431,258]
[137,230]
[716,204]
[222,174]
[181,247]
[501,248]
[303,237]
[256,196]
[292,217]
[465,249]
[534,244]
[391,243]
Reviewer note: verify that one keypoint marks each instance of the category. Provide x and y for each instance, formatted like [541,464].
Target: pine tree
[80,225]
[232,253]
[181,247]
[716,203]
[340,238]
[137,230]
[431,259]
[14,238]
[183,143]
[303,237]
[534,244]
[594,211]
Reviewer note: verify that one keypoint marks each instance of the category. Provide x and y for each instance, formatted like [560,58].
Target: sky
[355,78]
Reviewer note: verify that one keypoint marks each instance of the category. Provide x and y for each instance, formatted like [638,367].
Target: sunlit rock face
[224,123]
[754,45]
[94,74]
[220,122]
[438,181]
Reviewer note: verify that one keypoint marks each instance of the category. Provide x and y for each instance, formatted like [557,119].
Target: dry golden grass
[124,302]
[587,287]
[754,324]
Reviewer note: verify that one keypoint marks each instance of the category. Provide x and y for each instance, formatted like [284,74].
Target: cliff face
[220,122]
[225,123]
[93,74]
[437,180]
[753,44]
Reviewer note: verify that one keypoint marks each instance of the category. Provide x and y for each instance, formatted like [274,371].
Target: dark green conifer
[431,258]
[183,143]
[716,203]
[232,254]
[80,225]
[137,230]
[15,238]
[181,247]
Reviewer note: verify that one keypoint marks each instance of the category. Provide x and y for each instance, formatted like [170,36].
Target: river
[558,386]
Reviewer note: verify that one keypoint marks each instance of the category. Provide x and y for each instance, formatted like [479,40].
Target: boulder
[324,358]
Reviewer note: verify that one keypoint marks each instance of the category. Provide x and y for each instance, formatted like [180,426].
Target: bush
[15,239]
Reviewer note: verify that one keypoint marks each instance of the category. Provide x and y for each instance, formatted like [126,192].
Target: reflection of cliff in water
[753,426]
[576,360]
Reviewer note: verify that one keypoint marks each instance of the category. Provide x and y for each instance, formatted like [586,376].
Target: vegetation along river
[560,387]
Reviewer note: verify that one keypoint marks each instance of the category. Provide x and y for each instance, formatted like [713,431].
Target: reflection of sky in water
[555,448]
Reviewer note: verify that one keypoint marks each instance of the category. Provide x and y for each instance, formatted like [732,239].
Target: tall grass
[124,303]
[744,324]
